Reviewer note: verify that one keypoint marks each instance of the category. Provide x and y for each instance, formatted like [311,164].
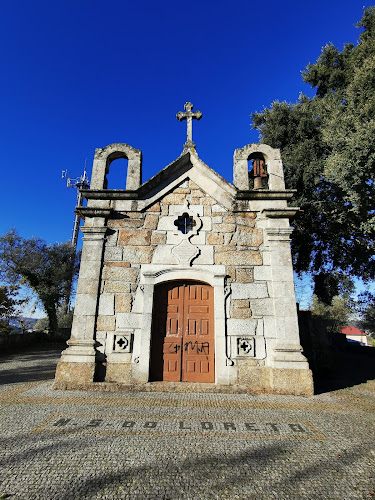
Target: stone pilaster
[290,370]
[77,364]
[142,344]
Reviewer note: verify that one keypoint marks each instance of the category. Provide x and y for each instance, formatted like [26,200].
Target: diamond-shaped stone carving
[185,252]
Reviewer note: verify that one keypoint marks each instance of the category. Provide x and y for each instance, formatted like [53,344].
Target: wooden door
[183,333]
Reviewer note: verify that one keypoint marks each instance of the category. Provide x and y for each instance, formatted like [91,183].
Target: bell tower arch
[105,156]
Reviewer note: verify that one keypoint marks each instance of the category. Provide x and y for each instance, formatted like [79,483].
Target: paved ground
[75,445]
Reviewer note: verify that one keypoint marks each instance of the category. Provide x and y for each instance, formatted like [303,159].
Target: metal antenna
[78,183]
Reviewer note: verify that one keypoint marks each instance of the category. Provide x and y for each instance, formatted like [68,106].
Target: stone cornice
[278,233]
[109,194]
[265,194]
[280,213]
[93,212]
[93,233]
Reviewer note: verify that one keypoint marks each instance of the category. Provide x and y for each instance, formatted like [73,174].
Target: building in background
[354,334]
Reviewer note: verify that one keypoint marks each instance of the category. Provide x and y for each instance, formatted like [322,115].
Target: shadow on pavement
[30,365]
[351,367]
[348,368]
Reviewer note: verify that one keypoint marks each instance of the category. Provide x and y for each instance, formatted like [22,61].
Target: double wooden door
[182,346]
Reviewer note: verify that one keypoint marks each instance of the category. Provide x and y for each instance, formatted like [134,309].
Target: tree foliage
[367,309]
[9,306]
[46,269]
[328,150]
[338,313]
[64,320]
[8,302]
[368,321]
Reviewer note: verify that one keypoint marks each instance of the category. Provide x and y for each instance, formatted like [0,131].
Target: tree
[367,309]
[338,313]
[11,306]
[368,322]
[8,303]
[48,270]
[328,149]
[64,320]
[8,307]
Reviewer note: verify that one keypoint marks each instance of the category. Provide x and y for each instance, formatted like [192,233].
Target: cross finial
[188,116]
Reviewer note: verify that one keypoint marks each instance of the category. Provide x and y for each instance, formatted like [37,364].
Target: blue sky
[77,75]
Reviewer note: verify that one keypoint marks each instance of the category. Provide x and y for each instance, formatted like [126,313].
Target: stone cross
[188,116]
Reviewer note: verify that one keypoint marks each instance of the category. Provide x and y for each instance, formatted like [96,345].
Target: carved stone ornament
[185,252]
[189,115]
[186,226]
[185,223]
[229,361]
[122,343]
[245,347]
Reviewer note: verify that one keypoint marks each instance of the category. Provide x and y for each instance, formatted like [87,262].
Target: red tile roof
[352,330]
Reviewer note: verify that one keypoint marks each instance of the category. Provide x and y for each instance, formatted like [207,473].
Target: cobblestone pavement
[154,445]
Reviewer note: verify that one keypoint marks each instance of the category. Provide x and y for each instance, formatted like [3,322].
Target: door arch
[182,335]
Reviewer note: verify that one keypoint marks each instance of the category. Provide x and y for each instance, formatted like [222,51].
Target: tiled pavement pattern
[154,445]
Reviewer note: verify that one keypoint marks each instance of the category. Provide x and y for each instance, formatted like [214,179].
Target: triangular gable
[187,166]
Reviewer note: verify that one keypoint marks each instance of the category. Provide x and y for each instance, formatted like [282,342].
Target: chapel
[186,280]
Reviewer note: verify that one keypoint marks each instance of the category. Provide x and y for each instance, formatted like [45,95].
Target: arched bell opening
[257,171]
[182,334]
[116,171]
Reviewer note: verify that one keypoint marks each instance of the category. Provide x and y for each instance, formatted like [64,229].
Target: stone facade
[238,243]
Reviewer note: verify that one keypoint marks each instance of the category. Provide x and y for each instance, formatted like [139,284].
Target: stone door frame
[152,275]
